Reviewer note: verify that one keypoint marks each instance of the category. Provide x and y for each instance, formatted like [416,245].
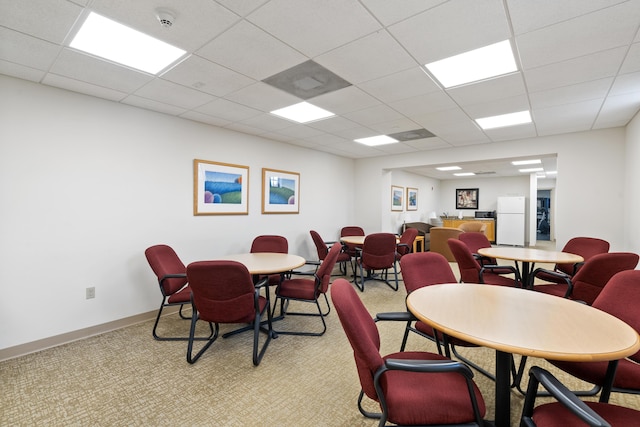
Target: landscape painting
[220,188]
[280,192]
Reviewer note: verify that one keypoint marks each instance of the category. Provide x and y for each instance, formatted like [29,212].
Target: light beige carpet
[125,378]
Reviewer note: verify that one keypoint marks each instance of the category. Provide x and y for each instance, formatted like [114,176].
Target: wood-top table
[529,256]
[492,316]
[267,262]
[358,240]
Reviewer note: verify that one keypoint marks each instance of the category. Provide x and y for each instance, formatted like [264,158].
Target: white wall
[632,186]
[87,184]
[588,196]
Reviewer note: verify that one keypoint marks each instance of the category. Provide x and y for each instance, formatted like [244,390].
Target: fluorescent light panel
[373,141]
[449,168]
[479,64]
[464,174]
[531,170]
[303,112]
[504,120]
[115,42]
[526,162]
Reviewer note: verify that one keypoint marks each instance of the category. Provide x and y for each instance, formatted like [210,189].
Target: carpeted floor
[125,378]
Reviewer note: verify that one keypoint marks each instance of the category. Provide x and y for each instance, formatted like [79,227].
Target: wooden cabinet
[491,225]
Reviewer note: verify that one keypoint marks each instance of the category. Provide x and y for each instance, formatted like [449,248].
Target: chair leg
[190,358]
[154,332]
[320,314]
[257,327]
[374,415]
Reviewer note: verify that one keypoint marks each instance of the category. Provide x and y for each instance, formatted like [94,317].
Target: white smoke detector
[165,17]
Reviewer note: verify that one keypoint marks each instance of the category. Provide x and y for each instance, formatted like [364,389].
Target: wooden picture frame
[412,199]
[397,196]
[280,192]
[467,198]
[220,188]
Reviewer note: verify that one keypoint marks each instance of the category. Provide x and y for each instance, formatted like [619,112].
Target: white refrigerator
[510,224]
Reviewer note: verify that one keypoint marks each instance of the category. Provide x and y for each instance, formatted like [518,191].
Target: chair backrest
[321,246]
[222,291]
[351,230]
[361,332]
[422,269]
[473,226]
[164,261]
[621,298]
[475,240]
[468,265]
[270,243]
[589,281]
[379,250]
[586,247]
[324,271]
[407,238]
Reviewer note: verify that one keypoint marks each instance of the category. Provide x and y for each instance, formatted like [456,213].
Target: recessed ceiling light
[531,170]
[303,112]
[479,64]
[449,168]
[372,141]
[115,42]
[526,162]
[504,120]
[464,174]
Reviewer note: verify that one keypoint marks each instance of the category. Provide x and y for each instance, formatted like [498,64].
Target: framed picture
[412,199]
[280,192]
[466,198]
[220,188]
[397,194]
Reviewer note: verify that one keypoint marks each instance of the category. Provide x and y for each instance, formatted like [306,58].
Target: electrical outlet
[91,292]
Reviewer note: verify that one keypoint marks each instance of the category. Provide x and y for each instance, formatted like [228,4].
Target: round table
[267,262]
[529,256]
[517,321]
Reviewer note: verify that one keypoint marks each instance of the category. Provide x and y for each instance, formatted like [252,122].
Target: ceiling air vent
[485,173]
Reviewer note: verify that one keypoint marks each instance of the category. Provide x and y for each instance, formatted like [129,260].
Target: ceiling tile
[389,13]
[83,87]
[400,85]
[315,27]
[173,94]
[228,110]
[489,90]
[595,89]
[262,55]
[632,60]
[263,97]
[345,100]
[26,50]
[45,19]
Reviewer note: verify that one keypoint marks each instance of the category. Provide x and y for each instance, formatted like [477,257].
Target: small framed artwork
[397,194]
[280,192]
[412,199]
[466,198]
[220,188]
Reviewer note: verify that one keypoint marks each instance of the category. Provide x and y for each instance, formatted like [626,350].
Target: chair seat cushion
[428,330]
[558,290]
[627,373]
[297,288]
[418,399]
[495,279]
[555,414]
[180,297]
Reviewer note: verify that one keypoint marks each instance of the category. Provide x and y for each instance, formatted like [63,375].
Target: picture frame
[280,192]
[467,198]
[220,188]
[397,196]
[412,199]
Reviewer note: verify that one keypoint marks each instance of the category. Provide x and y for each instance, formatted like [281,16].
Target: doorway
[543,231]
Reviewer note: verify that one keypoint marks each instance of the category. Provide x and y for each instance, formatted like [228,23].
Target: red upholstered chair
[270,243]
[568,411]
[223,292]
[620,298]
[412,388]
[586,247]
[588,282]
[308,290]
[378,253]
[323,246]
[352,230]
[472,272]
[405,246]
[172,278]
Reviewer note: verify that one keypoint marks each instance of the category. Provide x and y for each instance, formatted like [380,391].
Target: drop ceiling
[579,65]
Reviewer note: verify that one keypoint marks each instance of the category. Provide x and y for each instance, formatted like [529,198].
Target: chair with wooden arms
[411,388]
